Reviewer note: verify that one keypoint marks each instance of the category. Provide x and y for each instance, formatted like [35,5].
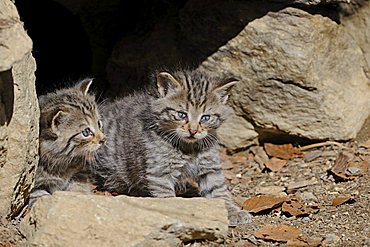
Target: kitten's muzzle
[102,141]
[193,132]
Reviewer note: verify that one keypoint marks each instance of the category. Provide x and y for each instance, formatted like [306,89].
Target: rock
[15,43]
[302,75]
[358,26]
[271,190]
[67,218]
[237,133]
[307,196]
[301,184]
[19,112]
[260,155]
[331,239]
[204,34]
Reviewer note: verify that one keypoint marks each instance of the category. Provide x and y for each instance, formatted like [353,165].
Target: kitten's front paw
[240,218]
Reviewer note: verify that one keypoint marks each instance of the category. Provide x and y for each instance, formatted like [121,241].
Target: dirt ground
[309,178]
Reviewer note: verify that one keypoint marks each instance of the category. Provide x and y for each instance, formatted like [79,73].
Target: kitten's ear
[167,83]
[57,120]
[84,85]
[223,91]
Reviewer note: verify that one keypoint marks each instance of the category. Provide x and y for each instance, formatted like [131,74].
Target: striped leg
[212,185]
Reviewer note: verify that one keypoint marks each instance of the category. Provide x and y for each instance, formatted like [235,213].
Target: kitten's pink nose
[193,132]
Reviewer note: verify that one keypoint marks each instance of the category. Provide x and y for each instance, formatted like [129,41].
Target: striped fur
[64,148]
[156,141]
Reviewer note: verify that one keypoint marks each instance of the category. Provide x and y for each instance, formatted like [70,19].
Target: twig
[321,144]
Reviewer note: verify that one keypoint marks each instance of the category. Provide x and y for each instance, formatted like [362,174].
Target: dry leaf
[285,151]
[341,200]
[346,169]
[275,164]
[295,207]
[279,232]
[263,202]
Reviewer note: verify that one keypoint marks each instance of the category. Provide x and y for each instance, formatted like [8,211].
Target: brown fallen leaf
[341,200]
[285,151]
[275,164]
[296,207]
[346,169]
[263,202]
[278,232]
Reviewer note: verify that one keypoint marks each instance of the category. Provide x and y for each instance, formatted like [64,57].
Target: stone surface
[237,133]
[67,218]
[14,41]
[19,112]
[358,26]
[302,75]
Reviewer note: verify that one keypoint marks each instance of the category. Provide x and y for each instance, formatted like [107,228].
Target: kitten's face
[70,123]
[80,133]
[192,107]
[193,123]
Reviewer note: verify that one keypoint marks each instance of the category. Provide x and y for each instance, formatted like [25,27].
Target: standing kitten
[70,134]
[155,144]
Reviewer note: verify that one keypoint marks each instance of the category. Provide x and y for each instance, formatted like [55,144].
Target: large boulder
[358,26]
[123,221]
[301,75]
[19,112]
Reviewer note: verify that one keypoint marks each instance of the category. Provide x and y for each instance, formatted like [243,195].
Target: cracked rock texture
[301,75]
[123,221]
[19,112]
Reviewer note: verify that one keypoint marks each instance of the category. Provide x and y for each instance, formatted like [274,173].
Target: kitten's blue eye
[86,132]
[182,115]
[205,118]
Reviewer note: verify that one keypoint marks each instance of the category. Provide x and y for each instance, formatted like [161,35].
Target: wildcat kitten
[70,134]
[156,143]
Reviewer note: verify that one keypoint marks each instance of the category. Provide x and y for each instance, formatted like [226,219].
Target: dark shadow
[6,97]
[155,34]
[279,137]
[60,45]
